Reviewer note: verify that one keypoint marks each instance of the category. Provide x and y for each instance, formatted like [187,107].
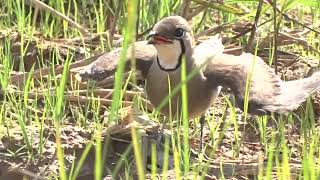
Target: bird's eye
[179,33]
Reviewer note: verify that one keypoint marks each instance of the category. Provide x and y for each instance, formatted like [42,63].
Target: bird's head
[172,37]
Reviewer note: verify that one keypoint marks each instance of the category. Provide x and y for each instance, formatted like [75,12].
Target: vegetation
[55,126]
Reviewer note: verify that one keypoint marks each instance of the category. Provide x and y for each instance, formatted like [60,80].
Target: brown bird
[160,58]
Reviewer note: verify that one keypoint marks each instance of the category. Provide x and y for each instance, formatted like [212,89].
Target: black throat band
[183,50]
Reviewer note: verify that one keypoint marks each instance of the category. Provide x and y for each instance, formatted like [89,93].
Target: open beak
[155,38]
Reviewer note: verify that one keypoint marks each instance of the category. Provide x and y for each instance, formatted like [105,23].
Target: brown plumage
[172,38]
[106,65]
[267,93]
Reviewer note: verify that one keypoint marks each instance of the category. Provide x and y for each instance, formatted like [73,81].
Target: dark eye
[179,33]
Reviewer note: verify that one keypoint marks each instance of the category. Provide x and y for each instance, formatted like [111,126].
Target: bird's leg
[202,121]
[161,141]
[160,135]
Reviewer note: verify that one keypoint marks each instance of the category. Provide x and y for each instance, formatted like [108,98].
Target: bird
[171,40]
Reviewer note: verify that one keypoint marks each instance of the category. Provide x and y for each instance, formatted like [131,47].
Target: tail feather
[296,92]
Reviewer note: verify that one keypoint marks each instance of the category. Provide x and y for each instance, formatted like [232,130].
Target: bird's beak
[150,37]
[155,38]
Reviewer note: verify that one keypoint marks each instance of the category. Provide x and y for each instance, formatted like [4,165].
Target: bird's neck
[170,55]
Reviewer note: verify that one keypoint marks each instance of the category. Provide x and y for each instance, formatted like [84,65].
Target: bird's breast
[200,96]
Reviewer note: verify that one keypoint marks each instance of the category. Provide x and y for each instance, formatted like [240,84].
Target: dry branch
[254,27]
[43,6]
[37,74]
[105,93]
[231,168]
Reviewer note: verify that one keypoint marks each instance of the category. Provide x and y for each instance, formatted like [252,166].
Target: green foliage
[131,19]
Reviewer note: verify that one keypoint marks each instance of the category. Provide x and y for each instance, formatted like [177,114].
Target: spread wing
[107,64]
[207,50]
[267,93]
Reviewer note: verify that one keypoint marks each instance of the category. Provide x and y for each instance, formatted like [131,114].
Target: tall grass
[58,117]
[133,18]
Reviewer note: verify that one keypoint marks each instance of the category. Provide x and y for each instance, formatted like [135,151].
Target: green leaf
[240,1]
[310,3]
[220,6]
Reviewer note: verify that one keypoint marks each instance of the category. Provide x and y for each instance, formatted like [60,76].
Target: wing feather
[267,92]
[107,64]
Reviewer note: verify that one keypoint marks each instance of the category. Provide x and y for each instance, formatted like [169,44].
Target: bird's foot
[162,144]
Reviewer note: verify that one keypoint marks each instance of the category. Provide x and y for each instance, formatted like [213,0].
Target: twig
[276,31]
[299,23]
[137,19]
[203,19]
[288,39]
[106,93]
[19,79]
[70,98]
[249,47]
[214,30]
[185,9]
[245,32]
[25,172]
[109,81]
[196,11]
[85,99]
[114,23]
[231,169]
[43,6]
[220,6]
